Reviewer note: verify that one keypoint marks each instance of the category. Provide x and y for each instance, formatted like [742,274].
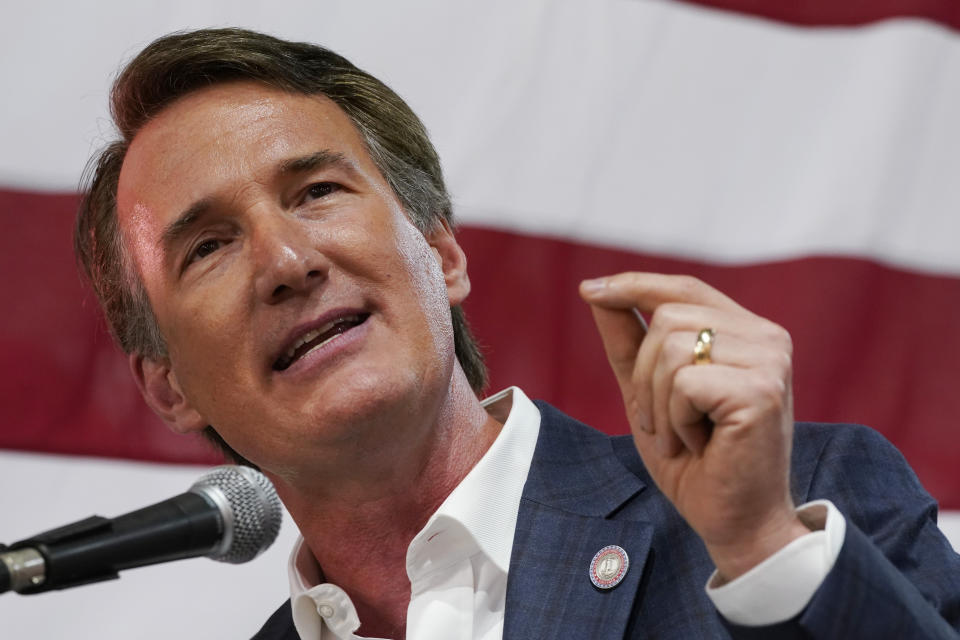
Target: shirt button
[325,610]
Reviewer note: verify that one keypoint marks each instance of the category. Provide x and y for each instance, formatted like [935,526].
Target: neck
[359,525]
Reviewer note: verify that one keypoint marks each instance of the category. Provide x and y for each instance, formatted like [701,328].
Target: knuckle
[683,379]
[688,285]
[782,337]
[785,370]
[787,341]
[777,350]
[637,407]
[633,279]
[778,336]
[770,391]
[779,363]
[660,317]
[676,346]
[640,380]
[666,316]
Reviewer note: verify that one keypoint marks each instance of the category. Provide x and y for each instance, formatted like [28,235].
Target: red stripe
[64,387]
[873,344]
[825,13]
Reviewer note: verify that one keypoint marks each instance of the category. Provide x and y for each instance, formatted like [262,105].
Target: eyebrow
[181,226]
[318,160]
[302,164]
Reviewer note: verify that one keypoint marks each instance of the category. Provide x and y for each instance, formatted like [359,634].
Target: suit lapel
[575,484]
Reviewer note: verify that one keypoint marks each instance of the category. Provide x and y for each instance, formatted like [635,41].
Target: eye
[204,249]
[321,190]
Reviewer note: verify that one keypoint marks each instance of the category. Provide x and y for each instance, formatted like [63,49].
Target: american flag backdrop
[802,157]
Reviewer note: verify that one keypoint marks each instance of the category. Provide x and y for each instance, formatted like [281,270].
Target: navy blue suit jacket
[896,576]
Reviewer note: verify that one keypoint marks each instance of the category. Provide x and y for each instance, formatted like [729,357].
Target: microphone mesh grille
[255,507]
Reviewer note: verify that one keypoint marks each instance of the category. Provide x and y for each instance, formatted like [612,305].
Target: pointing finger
[647,291]
[621,335]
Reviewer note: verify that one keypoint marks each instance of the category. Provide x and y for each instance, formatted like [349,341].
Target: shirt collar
[486,501]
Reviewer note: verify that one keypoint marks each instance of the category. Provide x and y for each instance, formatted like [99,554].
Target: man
[272,243]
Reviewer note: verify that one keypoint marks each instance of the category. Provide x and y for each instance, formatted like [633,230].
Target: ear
[161,390]
[452,260]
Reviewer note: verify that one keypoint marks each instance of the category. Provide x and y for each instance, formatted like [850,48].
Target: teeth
[311,335]
[307,337]
[330,339]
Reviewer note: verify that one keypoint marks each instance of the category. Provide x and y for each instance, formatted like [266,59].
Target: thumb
[622,335]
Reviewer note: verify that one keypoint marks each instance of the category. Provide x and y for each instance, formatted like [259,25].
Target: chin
[376,399]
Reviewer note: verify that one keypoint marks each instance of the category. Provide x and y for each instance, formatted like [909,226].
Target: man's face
[299,304]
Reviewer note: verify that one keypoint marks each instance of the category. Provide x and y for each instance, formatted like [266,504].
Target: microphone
[231,514]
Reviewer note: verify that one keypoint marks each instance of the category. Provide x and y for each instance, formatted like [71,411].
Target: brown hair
[180,63]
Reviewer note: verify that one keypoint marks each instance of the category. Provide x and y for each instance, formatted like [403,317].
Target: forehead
[217,142]
[239,126]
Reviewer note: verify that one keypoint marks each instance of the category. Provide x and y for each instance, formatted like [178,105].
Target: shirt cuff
[780,587]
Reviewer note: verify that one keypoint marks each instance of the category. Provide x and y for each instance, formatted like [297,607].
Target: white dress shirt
[458,563]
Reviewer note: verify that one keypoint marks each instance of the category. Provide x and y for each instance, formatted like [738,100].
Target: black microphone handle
[95,549]
[4,573]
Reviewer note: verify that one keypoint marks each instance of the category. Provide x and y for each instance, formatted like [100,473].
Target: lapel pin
[608,567]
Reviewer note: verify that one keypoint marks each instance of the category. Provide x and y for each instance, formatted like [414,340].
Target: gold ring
[701,351]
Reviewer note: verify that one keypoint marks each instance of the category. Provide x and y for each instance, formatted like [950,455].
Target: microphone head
[250,509]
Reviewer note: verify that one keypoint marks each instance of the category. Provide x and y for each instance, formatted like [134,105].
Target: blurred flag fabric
[801,157]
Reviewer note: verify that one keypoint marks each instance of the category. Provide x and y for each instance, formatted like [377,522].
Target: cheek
[206,347]
[393,255]
[197,326]
[429,287]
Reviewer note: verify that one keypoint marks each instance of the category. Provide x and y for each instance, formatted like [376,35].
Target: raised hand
[715,434]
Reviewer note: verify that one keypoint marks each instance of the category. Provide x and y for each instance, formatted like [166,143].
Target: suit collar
[575,468]
[568,513]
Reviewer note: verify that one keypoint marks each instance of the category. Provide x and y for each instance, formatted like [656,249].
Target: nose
[287,263]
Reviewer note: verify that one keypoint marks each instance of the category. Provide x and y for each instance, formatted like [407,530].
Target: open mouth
[318,337]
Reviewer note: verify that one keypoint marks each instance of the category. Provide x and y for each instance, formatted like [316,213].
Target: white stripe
[654,126]
[43,491]
[705,135]
[949,522]
[195,598]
